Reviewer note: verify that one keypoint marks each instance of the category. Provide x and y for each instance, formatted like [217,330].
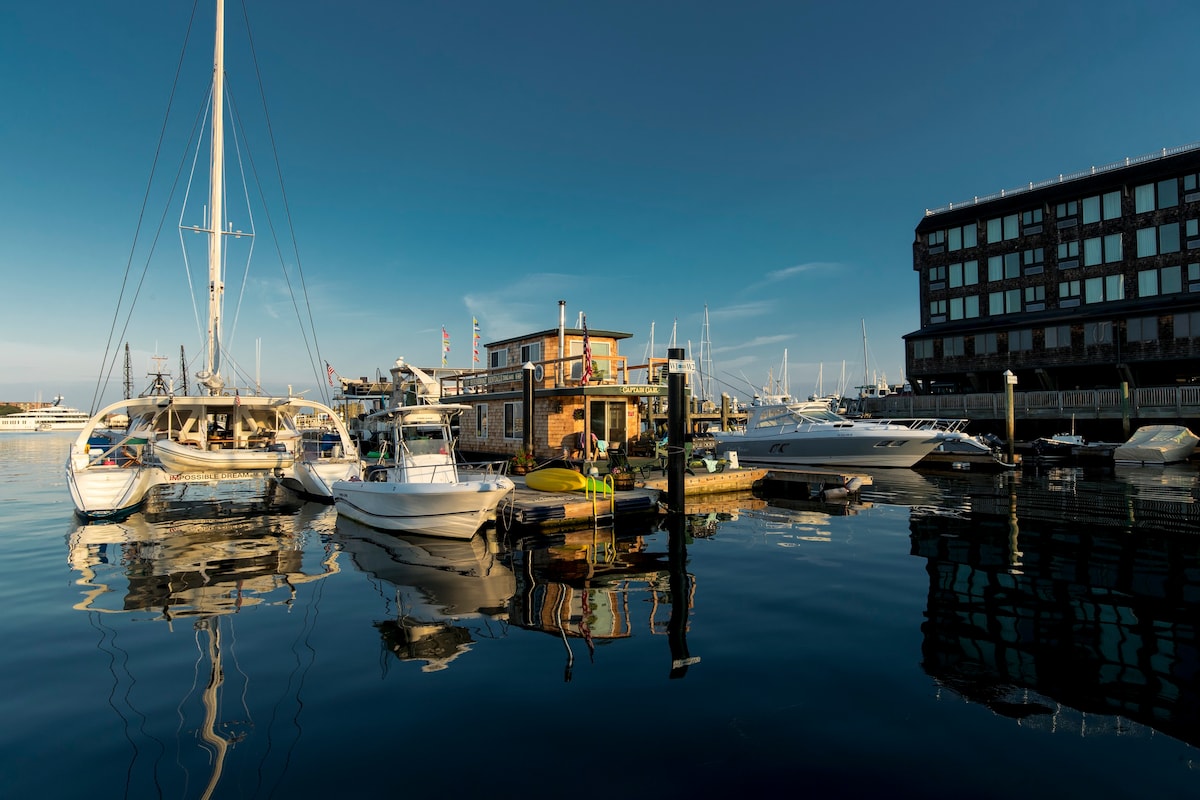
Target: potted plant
[622,478]
[522,462]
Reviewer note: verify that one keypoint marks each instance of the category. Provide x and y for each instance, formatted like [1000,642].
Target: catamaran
[222,434]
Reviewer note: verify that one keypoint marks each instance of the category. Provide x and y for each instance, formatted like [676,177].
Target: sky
[648,163]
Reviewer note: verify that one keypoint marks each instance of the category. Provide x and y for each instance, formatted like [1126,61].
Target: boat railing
[946,425]
[489,469]
[124,451]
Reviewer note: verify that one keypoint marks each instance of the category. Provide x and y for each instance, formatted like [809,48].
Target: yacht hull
[889,446]
[452,510]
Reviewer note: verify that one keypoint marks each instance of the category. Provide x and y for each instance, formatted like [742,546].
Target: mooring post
[1010,380]
[676,415]
[1125,411]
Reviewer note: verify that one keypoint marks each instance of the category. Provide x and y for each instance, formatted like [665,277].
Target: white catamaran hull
[452,510]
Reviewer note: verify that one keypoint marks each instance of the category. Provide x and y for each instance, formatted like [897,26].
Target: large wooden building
[1090,280]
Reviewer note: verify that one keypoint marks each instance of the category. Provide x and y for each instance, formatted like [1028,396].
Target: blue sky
[639,160]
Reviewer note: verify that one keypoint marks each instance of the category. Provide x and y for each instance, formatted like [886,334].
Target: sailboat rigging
[222,434]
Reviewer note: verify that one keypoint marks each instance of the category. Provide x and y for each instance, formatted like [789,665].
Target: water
[944,637]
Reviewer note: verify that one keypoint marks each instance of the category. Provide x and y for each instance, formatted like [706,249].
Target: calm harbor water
[945,636]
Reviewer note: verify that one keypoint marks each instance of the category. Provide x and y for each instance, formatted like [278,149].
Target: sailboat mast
[866,374]
[216,288]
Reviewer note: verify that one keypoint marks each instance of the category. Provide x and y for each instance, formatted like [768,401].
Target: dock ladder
[604,502]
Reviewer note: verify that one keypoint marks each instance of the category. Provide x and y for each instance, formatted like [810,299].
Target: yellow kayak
[561,479]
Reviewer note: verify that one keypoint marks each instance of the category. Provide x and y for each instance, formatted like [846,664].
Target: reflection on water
[169,567]
[444,592]
[1057,601]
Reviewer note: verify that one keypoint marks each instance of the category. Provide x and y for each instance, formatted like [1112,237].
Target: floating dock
[530,508]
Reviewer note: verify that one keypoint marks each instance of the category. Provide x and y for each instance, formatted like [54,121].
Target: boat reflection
[1065,622]
[447,593]
[169,566]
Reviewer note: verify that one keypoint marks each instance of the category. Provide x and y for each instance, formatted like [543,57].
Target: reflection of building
[447,592]
[1085,616]
[595,587]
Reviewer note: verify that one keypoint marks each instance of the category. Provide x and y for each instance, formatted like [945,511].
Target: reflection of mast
[210,698]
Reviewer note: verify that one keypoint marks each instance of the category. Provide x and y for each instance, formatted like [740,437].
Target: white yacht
[219,435]
[811,434]
[47,418]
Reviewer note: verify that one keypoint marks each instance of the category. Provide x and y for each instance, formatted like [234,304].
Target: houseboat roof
[592,334]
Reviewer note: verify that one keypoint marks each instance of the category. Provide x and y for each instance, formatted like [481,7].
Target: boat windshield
[425,440]
[774,416]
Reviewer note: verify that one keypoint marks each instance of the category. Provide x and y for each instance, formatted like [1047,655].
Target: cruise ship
[47,418]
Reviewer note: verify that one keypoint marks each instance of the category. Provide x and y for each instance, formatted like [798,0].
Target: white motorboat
[421,490]
[221,434]
[46,418]
[1157,444]
[811,434]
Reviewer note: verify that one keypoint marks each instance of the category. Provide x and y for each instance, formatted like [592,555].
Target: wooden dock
[530,508]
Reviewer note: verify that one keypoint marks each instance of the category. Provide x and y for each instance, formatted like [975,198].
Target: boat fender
[834,493]
[853,485]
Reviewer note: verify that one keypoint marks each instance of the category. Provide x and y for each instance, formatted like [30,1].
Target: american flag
[587,355]
[329,373]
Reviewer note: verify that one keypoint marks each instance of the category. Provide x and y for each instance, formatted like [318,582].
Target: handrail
[1166,152]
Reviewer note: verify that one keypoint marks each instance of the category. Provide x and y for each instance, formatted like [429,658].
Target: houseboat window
[512,414]
[531,352]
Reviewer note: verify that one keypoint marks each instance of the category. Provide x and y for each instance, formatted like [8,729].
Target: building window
[1154,240]
[964,274]
[1168,280]
[962,237]
[936,238]
[1004,302]
[1153,196]
[1035,298]
[1141,329]
[1058,336]
[937,273]
[985,344]
[1069,293]
[1097,333]
[481,421]
[1003,228]
[1100,207]
[1034,257]
[512,416]
[1004,267]
[952,346]
[937,308]
[922,348]
[1067,214]
[1113,251]
[1032,217]
[497,359]
[1093,252]
[1187,325]
[1019,341]
[1103,288]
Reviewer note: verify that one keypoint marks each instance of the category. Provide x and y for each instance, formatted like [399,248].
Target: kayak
[561,479]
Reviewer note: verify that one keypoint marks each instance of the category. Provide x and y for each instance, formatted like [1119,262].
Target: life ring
[538,373]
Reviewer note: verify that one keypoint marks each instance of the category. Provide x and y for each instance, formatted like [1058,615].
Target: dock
[530,508]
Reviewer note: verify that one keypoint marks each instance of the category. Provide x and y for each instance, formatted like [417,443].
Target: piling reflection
[1084,623]
[443,594]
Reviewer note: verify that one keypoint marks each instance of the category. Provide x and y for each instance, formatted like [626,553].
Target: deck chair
[618,459]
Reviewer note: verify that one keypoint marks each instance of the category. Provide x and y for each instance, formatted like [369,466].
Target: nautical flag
[329,373]
[587,355]
[475,341]
[237,398]
[445,345]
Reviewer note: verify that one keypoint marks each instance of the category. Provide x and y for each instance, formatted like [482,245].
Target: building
[1089,280]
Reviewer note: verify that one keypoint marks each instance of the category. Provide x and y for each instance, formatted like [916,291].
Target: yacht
[811,434]
[47,418]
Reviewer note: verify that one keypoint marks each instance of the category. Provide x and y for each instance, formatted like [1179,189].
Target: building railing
[1155,402]
[1166,152]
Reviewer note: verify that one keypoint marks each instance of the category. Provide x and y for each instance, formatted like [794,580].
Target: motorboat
[218,433]
[963,452]
[420,488]
[45,418]
[1059,447]
[812,434]
[1157,444]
